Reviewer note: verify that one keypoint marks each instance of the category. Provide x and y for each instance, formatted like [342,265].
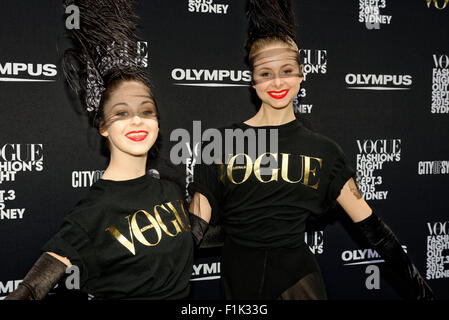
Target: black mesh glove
[382,239]
[42,277]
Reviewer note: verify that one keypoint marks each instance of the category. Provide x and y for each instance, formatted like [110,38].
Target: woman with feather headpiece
[264,215]
[129,238]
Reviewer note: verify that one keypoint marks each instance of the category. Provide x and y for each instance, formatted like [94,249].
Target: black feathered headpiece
[105,48]
[270,19]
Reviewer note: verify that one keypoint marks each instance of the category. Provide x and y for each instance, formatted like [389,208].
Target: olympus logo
[211,78]
[8,287]
[26,71]
[378,81]
[362,256]
[206,271]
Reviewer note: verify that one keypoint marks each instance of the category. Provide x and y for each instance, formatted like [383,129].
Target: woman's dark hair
[273,19]
[105,53]
[270,21]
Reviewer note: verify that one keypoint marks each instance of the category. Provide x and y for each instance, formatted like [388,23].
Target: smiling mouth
[137,135]
[278,94]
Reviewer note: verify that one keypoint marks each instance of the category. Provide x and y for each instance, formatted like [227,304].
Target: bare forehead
[132,89]
[276,56]
[128,93]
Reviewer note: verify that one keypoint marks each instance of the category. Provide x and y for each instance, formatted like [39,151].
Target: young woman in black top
[264,216]
[130,236]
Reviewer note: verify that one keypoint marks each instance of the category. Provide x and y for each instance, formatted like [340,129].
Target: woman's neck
[269,116]
[125,167]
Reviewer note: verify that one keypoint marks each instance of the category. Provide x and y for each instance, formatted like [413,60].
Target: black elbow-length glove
[383,240]
[41,278]
[204,234]
[198,228]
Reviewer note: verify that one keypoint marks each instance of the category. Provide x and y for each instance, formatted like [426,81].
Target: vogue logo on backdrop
[211,78]
[17,71]
[315,61]
[437,263]
[315,241]
[378,81]
[17,158]
[440,83]
[373,153]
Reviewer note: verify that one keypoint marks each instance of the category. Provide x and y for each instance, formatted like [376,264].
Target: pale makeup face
[130,121]
[276,75]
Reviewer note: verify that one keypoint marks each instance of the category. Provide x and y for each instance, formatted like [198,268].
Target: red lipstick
[278,94]
[137,135]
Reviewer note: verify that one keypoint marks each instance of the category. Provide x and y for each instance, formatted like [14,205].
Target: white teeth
[136,134]
[277,93]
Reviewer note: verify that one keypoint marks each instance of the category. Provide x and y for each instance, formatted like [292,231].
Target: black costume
[264,216]
[130,239]
[263,210]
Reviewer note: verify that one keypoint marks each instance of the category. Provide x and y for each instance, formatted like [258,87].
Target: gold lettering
[436,4]
[307,171]
[274,172]
[120,238]
[138,232]
[249,168]
[162,224]
[181,204]
[222,175]
[285,163]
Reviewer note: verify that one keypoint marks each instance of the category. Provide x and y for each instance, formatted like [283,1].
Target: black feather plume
[270,19]
[104,45]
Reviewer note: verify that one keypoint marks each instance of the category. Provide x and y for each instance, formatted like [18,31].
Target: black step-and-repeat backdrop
[377,74]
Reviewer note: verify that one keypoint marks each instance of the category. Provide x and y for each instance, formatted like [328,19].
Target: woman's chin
[279,106]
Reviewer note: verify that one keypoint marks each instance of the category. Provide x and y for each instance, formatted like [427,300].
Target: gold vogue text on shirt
[308,172]
[156,224]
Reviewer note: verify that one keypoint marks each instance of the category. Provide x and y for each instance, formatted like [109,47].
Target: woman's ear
[252,80]
[102,129]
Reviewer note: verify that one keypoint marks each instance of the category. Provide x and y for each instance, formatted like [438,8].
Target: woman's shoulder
[326,145]
[169,175]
